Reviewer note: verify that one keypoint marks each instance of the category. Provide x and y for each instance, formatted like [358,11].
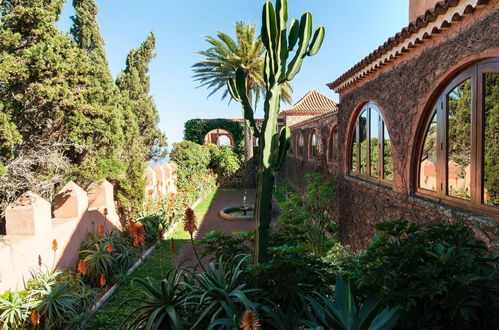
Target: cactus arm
[317,40]
[294,33]
[304,38]
[241,90]
[231,86]
[269,37]
[284,143]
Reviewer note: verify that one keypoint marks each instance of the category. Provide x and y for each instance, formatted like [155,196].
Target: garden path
[213,221]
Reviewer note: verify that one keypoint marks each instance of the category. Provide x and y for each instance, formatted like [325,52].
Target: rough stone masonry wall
[403,91]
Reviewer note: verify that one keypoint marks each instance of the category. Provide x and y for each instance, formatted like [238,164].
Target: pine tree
[135,85]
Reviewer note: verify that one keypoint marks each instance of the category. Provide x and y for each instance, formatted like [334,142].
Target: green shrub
[342,259]
[227,247]
[14,310]
[192,159]
[438,275]
[223,160]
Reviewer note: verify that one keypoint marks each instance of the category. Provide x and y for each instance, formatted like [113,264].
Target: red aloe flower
[250,321]
[138,234]
[102,280]
[109,248]
[54,245]
[35,317]
[100,229]
[190,221]
[82,267]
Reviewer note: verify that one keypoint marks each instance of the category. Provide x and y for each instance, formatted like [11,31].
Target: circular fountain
[239,212]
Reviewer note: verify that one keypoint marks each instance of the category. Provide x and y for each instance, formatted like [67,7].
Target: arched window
[300,145]
[459,153]
[314,145]
[332,144]
[371,146]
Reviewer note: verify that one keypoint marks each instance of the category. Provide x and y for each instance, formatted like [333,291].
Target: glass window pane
[491,140]
[387,155]
[428,164]
[300,145]
[363,142]
[373,142]
[459,140]
[354,149]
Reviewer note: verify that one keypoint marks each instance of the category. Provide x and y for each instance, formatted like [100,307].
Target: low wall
[46,236]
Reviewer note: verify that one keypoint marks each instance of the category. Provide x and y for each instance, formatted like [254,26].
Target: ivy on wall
[196,129]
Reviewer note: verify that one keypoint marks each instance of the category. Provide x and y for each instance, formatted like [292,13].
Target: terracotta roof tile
[313,103]
[422,21]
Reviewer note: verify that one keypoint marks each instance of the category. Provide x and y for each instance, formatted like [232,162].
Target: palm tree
[221,62]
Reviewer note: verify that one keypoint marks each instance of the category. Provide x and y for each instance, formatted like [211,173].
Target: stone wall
[404,92]
[33,224]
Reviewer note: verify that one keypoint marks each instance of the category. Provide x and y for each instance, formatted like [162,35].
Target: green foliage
[491,148]
[59,101]
[342,259]
[94,252]
[192,160]
[14,310]
[60,298]
[223,161]
[342,313]
[226,247]
[196,129]
[438,276]
[306,219]
[161,308]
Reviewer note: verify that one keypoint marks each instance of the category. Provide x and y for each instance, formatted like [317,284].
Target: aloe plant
[342,313]
[280,43]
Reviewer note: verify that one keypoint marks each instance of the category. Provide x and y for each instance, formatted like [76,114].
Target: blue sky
[353,30]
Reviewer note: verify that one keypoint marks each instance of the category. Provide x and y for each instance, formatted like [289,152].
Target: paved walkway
[212,221]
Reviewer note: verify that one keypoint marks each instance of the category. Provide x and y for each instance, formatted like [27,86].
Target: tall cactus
[280,44]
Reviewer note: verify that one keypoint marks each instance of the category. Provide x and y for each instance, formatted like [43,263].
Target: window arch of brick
[458,154]
[314,145]
[370,146]
[332,144]
[300,145]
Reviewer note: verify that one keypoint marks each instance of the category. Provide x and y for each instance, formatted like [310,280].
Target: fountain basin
[237,213]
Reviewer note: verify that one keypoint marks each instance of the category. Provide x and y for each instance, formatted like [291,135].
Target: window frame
[332,144]
[475,73]
[355,138]
[297,142]
[310,148]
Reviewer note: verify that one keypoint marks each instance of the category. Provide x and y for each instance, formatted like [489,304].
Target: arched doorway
[219,137]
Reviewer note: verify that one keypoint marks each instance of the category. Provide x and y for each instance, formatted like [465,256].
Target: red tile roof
[422,21]
[313,103]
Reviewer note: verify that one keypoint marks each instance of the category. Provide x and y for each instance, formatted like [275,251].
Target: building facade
[416,134]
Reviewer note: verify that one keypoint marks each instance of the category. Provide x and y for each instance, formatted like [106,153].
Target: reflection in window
[300,145]
[369,155]
[374,140]
[461,146]
[428,169]
[491,140]
[333,138]
[387,155]
[363,142]
[459,139]
[315,145]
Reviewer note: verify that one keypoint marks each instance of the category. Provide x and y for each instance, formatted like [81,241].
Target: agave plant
[14,310]
[161,307]
[342,313]
[220,294]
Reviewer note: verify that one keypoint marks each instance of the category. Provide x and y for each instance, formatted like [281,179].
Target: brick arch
[214,135]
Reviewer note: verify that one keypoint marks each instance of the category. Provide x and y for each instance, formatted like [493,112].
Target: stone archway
[220,137]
